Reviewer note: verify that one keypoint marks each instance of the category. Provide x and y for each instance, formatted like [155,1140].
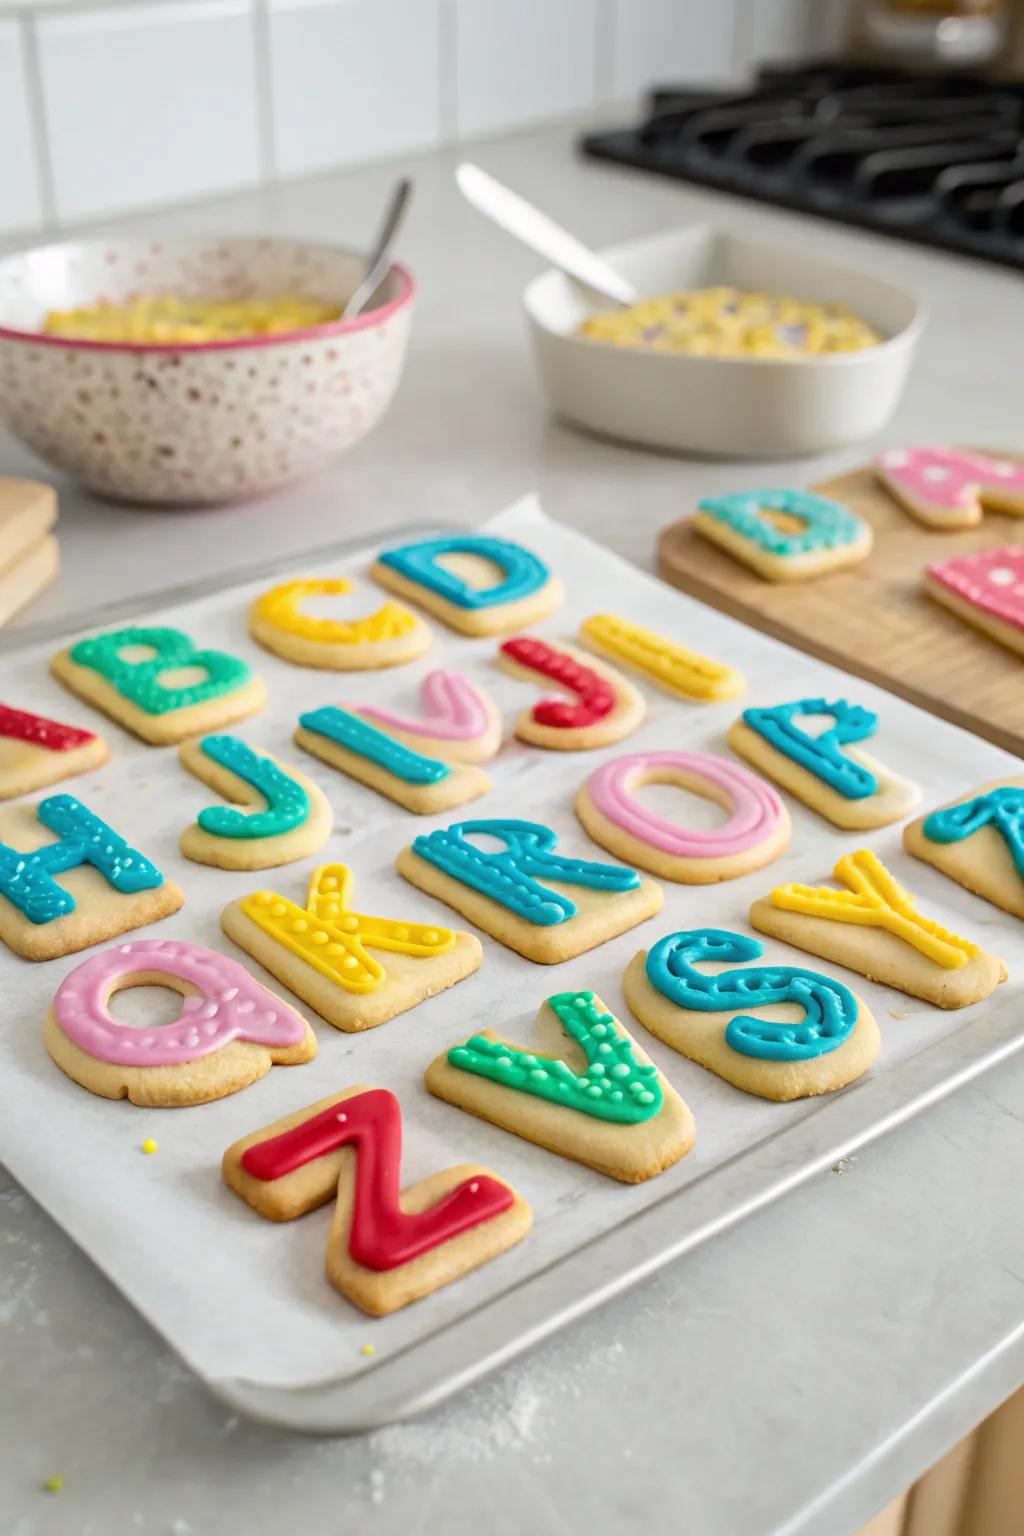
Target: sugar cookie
[327,953]
[229,1033]
[387,638]
[354,746]
[874,927]
[387,1246]
[674,667]
[821,1036]
[285,816]
[474,583]
[948,487]
[605,707]
[618,1114]
[756,833]
[132,692]
[459,722]
[498,891]
[985,589]
[806,535]
[828,772]
[978,841]
[35,751]
[61,894]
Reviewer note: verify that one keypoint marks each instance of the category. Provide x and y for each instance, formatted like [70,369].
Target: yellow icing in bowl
[166,318]
[729,322]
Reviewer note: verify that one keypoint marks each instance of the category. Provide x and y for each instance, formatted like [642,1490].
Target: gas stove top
[936,159]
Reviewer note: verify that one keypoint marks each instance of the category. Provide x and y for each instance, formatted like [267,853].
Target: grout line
[264,81]
[36,99]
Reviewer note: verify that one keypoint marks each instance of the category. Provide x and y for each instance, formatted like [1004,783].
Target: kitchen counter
[791,1376]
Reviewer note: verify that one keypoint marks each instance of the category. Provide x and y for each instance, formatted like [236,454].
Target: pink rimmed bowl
[214,422]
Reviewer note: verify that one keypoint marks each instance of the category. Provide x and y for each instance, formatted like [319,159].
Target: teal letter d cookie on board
[784,535]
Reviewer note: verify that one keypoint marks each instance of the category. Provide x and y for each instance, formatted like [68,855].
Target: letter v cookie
[612,1109]
[35,752]
[459,724]
[978,841]
[603,708]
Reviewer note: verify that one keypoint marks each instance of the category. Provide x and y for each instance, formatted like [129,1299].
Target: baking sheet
[244,1299]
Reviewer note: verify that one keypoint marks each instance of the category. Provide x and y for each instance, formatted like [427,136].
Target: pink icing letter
[947,478]
[992,580]
[756,808]
[453,710]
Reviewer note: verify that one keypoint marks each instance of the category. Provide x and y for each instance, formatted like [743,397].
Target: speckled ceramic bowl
[191,424]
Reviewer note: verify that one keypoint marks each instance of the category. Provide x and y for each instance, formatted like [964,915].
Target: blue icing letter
[1002,808]
[830,1009]
[524,574]
[826,524]
[139,681]
[26,879]
[821,755]
[287,801]
[505,876]
[365,740]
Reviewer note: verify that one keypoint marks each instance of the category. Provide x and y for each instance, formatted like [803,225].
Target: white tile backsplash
[149,103]
[20,201]
[521,61]
[656,41]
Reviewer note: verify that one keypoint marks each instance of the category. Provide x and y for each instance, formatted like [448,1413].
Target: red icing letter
[595,695]
[20,725]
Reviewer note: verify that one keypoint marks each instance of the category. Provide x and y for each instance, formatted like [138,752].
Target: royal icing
[382,1236]
[334,939]
[523,573]
[949,478]
[595,696]
[27,879]
[358,736]
[139,681]
[830,1009]
[230,1005]
[756,809]
[453,710]
[37,731]
[671,664]
[281,608]
[821,755]
[506,875]
[873,899]
[991,580]
[825,524]
[614,1087]
[1001,808]
[287,801]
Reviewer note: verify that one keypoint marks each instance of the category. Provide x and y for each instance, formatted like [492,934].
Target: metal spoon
[380,260]
[520,218]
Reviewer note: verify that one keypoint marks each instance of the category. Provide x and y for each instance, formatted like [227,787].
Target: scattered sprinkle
[368,1349]
[54,1484]
[844,1165]
[149,1145]
[898,1013]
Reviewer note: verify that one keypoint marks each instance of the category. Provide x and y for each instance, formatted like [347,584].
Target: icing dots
[37,731]
[453,710]
[281,608]
[952,480]
[348,731]
[287,801]
[674,666]
[595,697]
[523,573]
[823,524]
[141,681]
[1001,808]
[757,812]
[28,879]
[991,581]
[821,755]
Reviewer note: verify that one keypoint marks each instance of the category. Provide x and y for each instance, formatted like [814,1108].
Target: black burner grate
[937,159]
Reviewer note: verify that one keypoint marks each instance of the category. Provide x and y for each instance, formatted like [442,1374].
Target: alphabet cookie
[519,894]
[674,667]
[476,584]
[985,589]
[874,927]
[821,1036]
[756,833]
[387,1246]
[63,893]
[613,1111]
[387,638]
[784,535]
[459,722]
[356,971]
[139,692]
[978,841]
[277,815]
[229,1033]
[604,707]
[35,751]
[354,746]
[950,488]
[828,772]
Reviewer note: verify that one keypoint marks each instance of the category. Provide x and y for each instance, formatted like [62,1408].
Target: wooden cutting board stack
[29,553]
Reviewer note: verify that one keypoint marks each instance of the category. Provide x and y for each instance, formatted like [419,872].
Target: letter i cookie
[387,638]
[459,724]
[985,589]
[285,816]
[142,693]
[829,772]
[603,708]
[821,1036]
[387,1246]
[873,926]
[978,841]
[424,785]
[35,751]
[950,488]
[476,584]
[613,1110]
[356,971]
[674,667]
[784,535]
[229,1033]
[520,893]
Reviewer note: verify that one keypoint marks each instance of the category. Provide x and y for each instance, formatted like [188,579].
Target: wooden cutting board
[873,619]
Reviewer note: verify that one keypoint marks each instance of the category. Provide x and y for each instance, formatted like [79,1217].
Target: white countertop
[793,1375]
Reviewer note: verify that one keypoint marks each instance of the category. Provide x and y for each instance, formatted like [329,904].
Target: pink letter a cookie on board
[985,589]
